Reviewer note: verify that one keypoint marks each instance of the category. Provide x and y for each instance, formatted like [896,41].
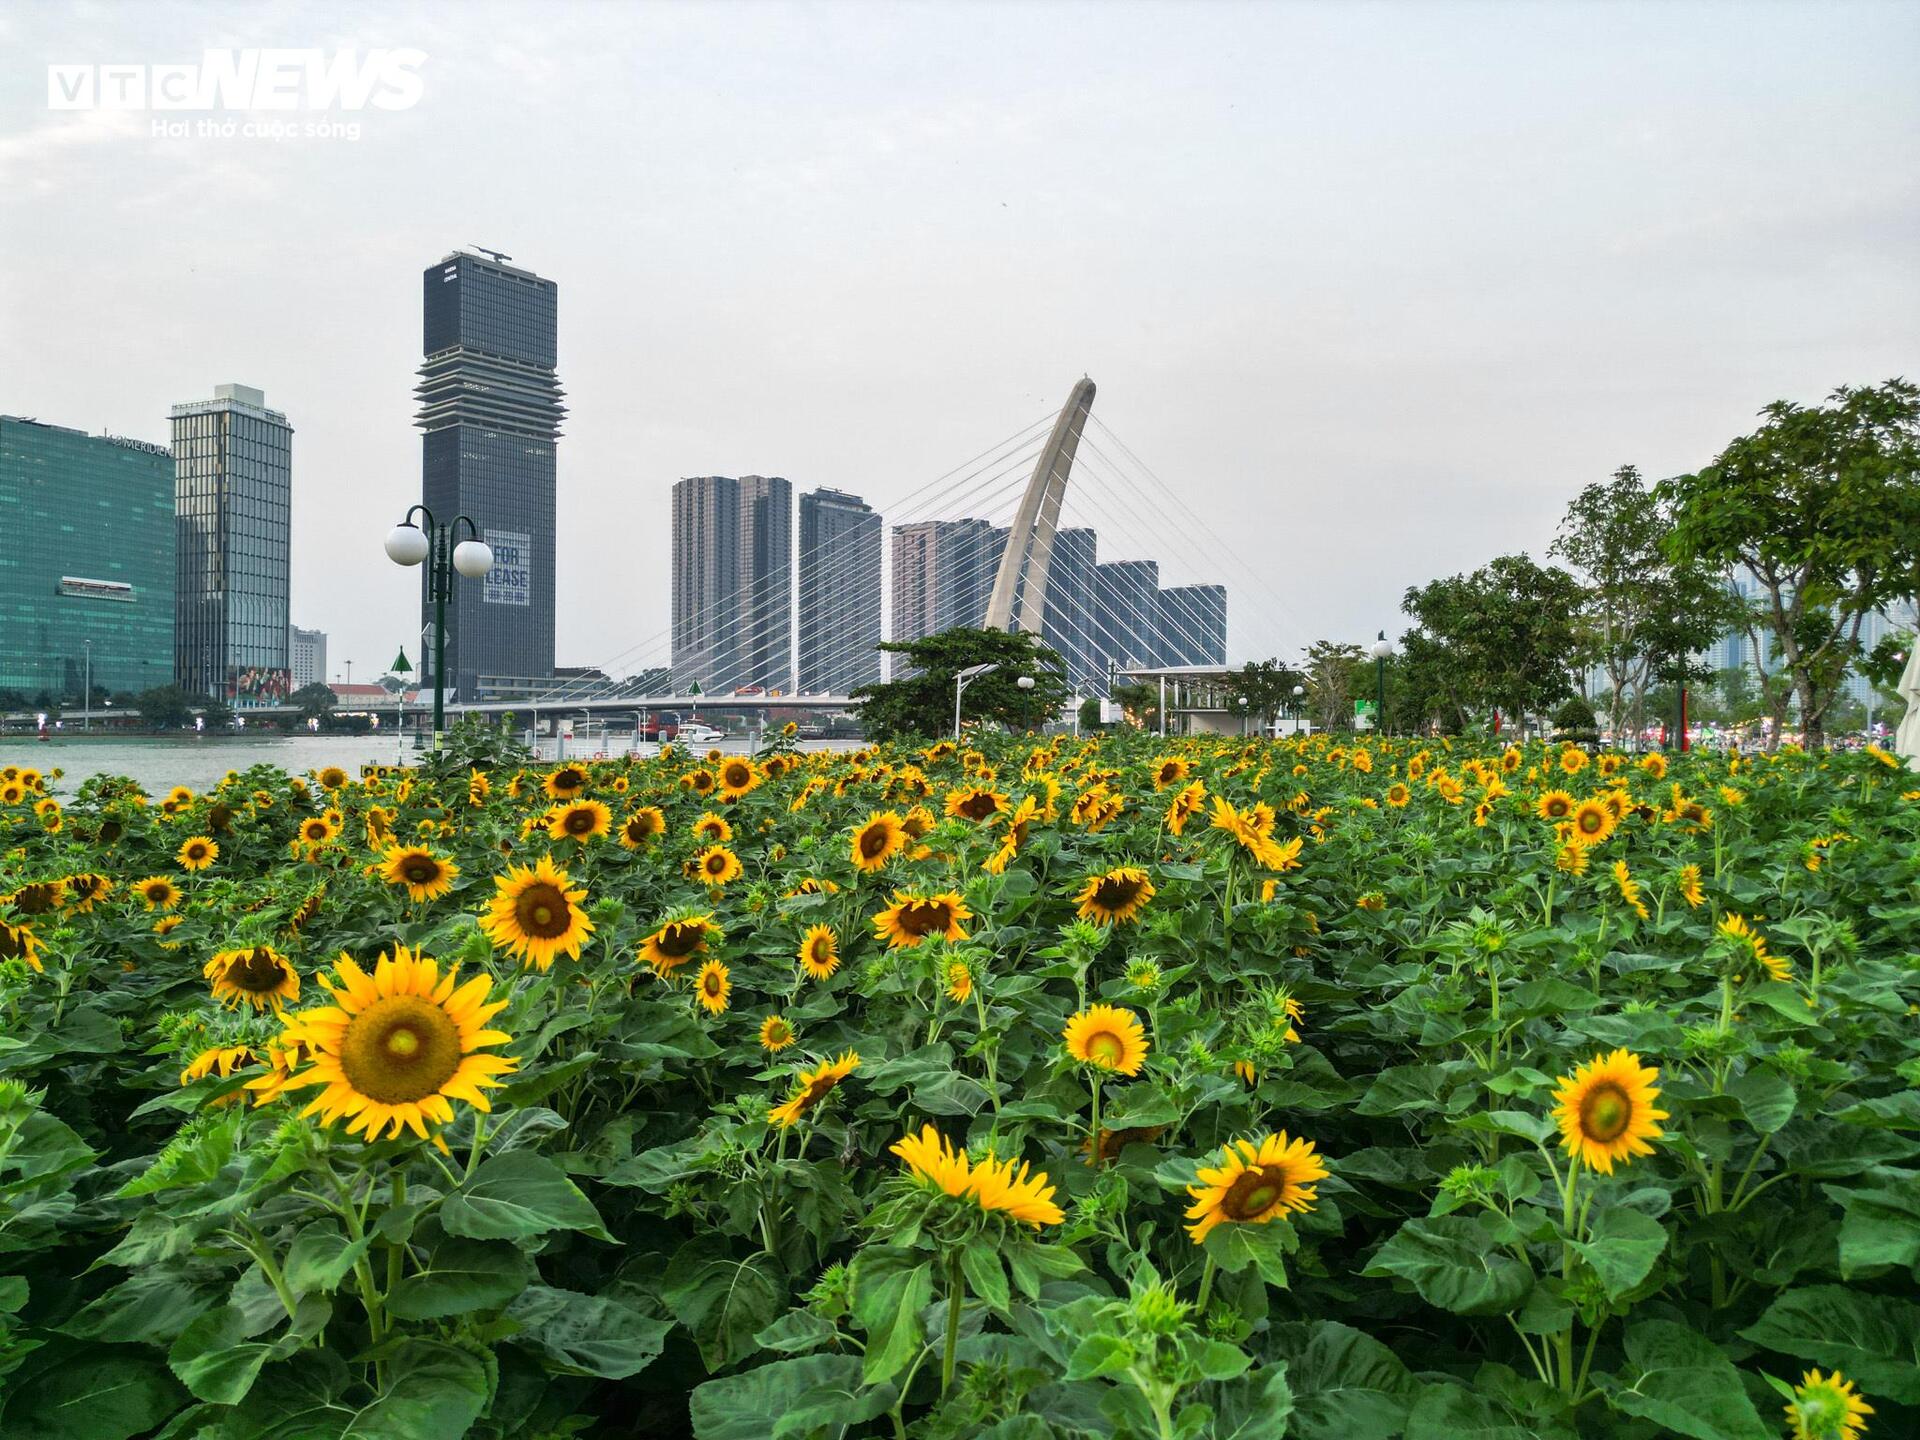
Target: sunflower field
[1326,1088]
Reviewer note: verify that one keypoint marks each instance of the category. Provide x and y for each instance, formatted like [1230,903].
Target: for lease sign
[510,581]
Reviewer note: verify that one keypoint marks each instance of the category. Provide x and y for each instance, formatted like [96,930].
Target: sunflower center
[400,1050]
[1592,821]
[978,806]
[923,917]
[568,779]
[260,972]
[711,984]
[13,943]
[1114,893]
[680,940]
[579,822]
[736,776]
[1605,1113]
[34,900]
[716,864]
[1254,1193]
[1104,1047]
[542,911]
[421,870]
[873,841]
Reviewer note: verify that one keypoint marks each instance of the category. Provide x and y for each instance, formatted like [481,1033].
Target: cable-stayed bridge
[1001,540]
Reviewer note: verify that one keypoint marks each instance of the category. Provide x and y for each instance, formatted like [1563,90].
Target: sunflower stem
[397,1249]
[1206,1287]
[1093,1134]
[956,1300]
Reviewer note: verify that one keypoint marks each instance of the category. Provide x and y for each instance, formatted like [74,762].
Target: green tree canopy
[313,701]
[165,707]
[1267,688]
[1506,632]
[920,703]
[1821,506]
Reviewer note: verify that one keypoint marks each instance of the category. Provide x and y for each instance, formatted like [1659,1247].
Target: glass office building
[233,475]
[87,566]
[490,414]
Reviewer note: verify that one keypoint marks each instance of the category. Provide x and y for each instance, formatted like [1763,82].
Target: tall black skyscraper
[1071,625]
[490,409]
[839,568]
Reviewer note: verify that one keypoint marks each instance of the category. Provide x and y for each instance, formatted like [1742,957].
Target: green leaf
[1874,1339]
[320,1259]
[795,1332]
[153,1305]
[723,1301]
[1455,1263]
[1099,1354]
[743,1407]
[216,1358]
[102,1393]
[1449,1412]
[1256,1406]
[1765,1098]
[461,1276]
[1683,1381]
[986,1277]
[891,1286]
[1622,1247]
[1346,1385]
[589,1334]
[1882,1227]
[434,1392]
[517,1195]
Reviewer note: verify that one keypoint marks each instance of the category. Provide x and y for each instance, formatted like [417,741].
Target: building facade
[1069,627]
[490,413]
[1193,625]
[764,657]
[307,656]
[706,579]
[943,573]
[839,573]
[233,481]
[1127,612]
[87,567]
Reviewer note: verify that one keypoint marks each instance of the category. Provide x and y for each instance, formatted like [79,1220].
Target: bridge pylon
[1020,587]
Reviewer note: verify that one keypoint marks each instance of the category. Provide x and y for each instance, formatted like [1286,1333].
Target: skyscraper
[307,656]
[1069,626]
[490,411]
[1193,625]
[943,574]
[732,582]
[233,481]
[87,567]
[1127,604]
[839,569]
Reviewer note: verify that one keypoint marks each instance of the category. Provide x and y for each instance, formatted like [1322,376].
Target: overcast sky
[1374,288]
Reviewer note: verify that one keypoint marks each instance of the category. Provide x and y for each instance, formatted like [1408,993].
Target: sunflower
[1171,770]
[1398,795]
[314,830]
[994,1185]
[975,802]
[878,840]
[218,1060]
[196,853]
[1572,760]
[1591,822]
[959,981]
[534,915]
[699,781]
[1185,805]
[397,1046]
[1108,1037]
[1690,887]
[257,975]
[1255,1184]
[737,777]
[642,825]
[18,942]
[1605,1110]
[478,788]
[717,866]
[1747,939]
[42,897]
[776,1034]
[910,919]
[1655,765]
[1629,889]
[1554,805]
[820,953]
[1115,898]
[714,987]
[812,1087]
[712,829]
[84,889]
[678,941]
[1827,1407]
[565,783]
[283,1057]
[424,874]
[580,820]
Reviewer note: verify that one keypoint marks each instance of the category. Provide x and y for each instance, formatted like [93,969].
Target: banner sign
[510,581]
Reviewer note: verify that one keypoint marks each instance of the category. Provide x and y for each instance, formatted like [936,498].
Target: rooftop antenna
[498,256]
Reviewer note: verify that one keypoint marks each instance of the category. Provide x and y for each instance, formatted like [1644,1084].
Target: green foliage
[920,703]
[1504,637]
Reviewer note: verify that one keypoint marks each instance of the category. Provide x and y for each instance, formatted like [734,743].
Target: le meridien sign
[510,581]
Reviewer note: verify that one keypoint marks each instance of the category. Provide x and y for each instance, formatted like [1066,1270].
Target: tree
[921,702]
[1267,688]
[1329,681]
[1507,632]
[1140,704]
[313,701]
[216,712]
[1821,507]
[1642,614]
[164,707]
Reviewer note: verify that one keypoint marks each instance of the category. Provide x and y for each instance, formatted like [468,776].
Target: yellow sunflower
[397,1046]
[994,1185]
[975,802]
[820,953]
[1115,898]
[1827,1407]
[1108,1037]
[257,975]
[1592,821]
[812,1087]
[642,825]
[678,941]
[712,829]
[1185,805]
[580,820]
[714,986]
[737,776]
[219,1060]
[1605,1110]
[332,777]
[534,915]
[776,1034]
[565,783]
[424,874]
[86,888]
[878,840]
[196,853]
[1746,937]
[1690,886]
[18,942]
[1255,1184]
[717,866]
[1554,805]
[910,919]
[1629,889]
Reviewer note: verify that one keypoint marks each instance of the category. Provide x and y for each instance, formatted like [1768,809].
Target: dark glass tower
[1193,625]
[490,409]
[839,592]
[1069,626]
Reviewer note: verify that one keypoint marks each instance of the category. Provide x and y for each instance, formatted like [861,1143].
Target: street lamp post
[408,544]
[1382,648]
[1243,717]
[1299,705]
[86,696]
[964,678]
